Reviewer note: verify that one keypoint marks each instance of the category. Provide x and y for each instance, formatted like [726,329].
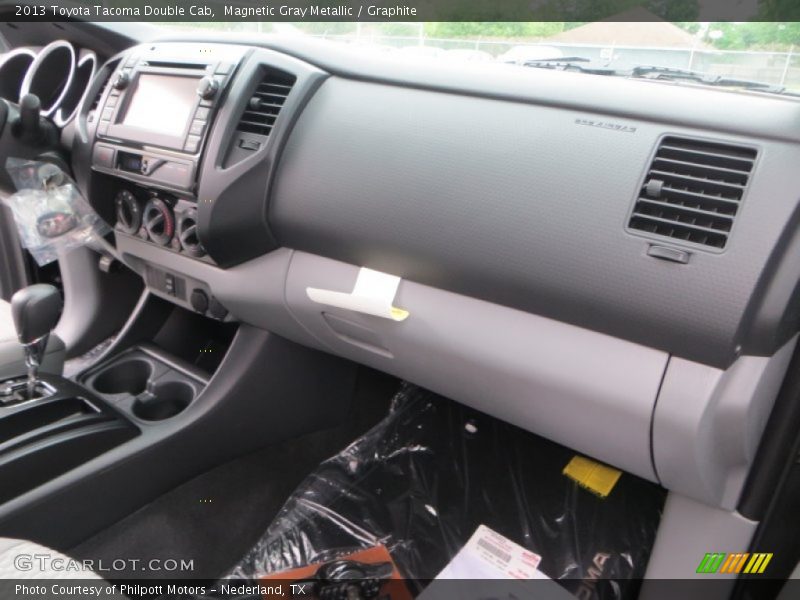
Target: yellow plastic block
[596,477]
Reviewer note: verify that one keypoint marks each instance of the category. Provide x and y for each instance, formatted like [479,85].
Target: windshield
[764,52]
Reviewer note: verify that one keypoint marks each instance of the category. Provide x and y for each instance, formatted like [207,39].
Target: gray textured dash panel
[588,391]
[524,206]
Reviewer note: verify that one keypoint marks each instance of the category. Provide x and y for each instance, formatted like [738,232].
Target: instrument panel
[152,116]
[180,144]
[58,73]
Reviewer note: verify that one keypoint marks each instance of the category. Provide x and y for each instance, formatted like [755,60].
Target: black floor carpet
[215,518]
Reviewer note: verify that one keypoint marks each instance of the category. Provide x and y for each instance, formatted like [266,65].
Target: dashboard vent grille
[693,190]
[264,107]
[107,73]
[98,96]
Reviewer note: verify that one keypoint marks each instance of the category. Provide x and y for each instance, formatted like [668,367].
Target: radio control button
[197,127]
[122,81]
[102,128]
[104,157]
[202,113]
[112,101]
[224,68]
[207,88]
[192,143]
[108,112]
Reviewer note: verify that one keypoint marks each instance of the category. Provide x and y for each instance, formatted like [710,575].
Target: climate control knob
[187,234]
[159,222]
[129,213]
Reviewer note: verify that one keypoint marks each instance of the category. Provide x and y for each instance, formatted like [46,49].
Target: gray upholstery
[12,358]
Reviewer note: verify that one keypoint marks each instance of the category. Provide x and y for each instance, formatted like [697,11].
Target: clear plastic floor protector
[424,479]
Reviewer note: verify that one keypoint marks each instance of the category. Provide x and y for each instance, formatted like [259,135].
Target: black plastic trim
[232,199]
[266,390]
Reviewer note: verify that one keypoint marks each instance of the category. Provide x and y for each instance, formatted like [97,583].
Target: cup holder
[126,377]
[144,386]
[164,401]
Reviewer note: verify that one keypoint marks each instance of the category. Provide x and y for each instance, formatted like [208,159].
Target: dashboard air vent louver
[693,190]
[268,98]
[106,73]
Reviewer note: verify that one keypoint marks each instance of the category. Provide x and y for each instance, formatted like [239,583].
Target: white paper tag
[489,555]
[373,294]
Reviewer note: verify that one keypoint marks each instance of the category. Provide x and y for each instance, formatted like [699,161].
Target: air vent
[268,98]
[693,190]
[106,73]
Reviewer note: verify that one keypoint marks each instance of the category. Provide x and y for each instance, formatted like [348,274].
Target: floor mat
[216,517]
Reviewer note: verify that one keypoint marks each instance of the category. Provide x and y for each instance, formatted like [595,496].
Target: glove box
[589,391]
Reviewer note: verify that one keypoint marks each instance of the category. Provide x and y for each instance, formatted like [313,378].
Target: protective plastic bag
[51,214]
[424,479]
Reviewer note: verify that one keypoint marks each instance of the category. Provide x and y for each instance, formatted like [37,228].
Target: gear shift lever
[35,310]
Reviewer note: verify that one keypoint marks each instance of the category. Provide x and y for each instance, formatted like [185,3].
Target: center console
[48,424]
[151,125]
[175,146]
[181,142]
[63,427]
[156,370]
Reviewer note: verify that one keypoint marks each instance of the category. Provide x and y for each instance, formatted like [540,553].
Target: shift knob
[35,310]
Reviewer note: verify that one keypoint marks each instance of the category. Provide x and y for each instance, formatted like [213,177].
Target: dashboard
[565,244]
[185,139]
[176,150]
[151,122]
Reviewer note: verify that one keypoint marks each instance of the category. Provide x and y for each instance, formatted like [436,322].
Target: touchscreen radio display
[162,103]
